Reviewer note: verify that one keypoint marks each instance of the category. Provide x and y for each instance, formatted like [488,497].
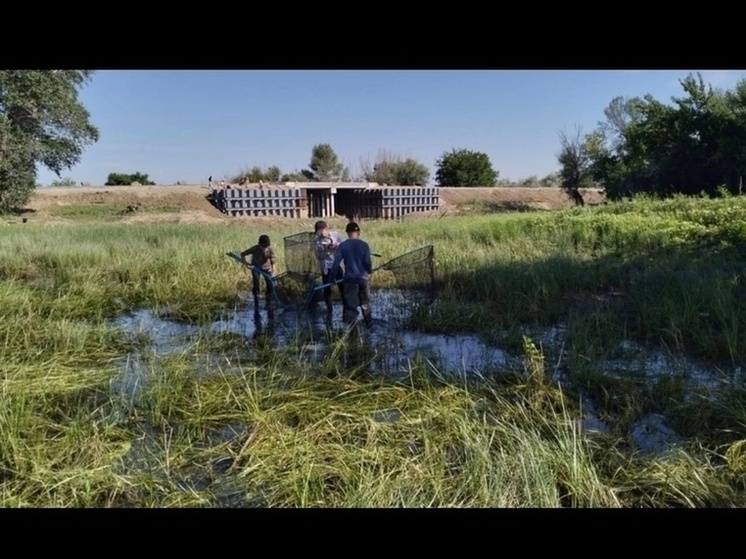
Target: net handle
[330,284]
[318,288]
[264,273]
[382,266]
[388,264]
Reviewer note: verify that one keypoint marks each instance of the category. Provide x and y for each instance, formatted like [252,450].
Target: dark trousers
[356,293]
[256,280]
[327,278]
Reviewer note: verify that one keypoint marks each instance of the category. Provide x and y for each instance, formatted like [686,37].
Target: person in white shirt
[326,243]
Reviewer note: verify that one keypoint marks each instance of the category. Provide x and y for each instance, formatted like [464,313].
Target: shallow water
[393,348]
[447,354]
[389,348]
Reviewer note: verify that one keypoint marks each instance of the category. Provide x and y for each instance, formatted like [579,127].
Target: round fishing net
[412,276]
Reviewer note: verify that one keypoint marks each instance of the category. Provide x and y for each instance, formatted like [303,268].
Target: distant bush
[551,180]
[392,169]
[124,179]
[256,174]
[67,181]
[296,176]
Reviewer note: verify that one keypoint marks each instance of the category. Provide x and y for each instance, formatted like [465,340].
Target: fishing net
[300,257]
[295,285]
[414,270]
[410,285]
[413,278]
[292,288]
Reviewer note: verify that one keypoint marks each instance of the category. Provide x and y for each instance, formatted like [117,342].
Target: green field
[228,420]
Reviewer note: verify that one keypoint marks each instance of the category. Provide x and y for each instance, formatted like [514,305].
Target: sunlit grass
[227,421]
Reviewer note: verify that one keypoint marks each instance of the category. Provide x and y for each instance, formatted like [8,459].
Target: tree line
[459,167]
[694,145]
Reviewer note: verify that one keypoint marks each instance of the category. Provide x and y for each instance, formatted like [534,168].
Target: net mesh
[300,258]
[295,285]
[413,275]
[292,288]
[414,270]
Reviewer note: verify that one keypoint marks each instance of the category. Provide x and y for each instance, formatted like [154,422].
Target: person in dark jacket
[355,255]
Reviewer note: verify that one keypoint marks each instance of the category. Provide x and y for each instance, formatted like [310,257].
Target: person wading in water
[355,254]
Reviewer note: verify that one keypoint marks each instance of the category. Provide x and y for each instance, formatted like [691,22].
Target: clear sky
[185,125]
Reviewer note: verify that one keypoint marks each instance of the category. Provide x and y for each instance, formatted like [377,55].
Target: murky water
[309,333]
[391,349]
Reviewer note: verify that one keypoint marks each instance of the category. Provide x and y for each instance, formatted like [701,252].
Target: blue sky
[185,125]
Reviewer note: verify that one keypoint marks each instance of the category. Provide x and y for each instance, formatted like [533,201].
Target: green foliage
[296,176]
[257,174]
[325,165]
[411,173]
[67,181]
[693,144]
[125,179]
[41,122]
[463,167]
[394,170]
[92,416]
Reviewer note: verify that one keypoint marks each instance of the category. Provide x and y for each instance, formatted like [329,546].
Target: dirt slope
[190,203]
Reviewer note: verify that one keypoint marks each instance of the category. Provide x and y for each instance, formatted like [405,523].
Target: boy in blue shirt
[356,256]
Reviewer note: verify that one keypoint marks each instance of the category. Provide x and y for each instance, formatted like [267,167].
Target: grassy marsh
[225,421]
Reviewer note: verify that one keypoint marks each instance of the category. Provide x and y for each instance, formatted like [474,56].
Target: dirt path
[190,203]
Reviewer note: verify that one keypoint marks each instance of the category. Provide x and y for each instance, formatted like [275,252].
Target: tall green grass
[230,422]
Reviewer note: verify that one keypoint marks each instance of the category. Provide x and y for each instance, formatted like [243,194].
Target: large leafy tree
[41,122]
[325,165]
[463,167]
[411,172]
[696,143]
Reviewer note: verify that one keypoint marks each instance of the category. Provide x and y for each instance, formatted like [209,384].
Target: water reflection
[387,345]
[384,347]
[264,328]
[387,348]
